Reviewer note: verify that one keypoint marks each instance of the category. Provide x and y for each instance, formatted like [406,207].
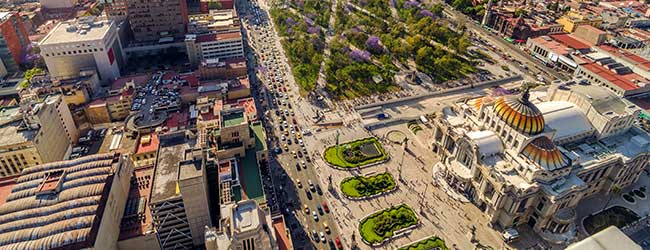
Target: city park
[381,226]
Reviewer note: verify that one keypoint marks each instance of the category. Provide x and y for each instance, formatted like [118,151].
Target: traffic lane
[310,224]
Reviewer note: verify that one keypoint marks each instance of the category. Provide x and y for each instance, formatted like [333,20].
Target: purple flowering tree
[426,13]
[373,45]
[411,4]
[360,55]
[313,30]
[309,21]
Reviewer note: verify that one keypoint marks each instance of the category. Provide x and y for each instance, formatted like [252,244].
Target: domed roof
[520,114]
[477,103]
[544,152]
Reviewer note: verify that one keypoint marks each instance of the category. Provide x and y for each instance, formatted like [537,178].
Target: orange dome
[544,152]
[520,114]
[477,103]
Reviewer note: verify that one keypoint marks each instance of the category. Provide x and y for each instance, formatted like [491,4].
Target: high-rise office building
[13,40]
[152,20]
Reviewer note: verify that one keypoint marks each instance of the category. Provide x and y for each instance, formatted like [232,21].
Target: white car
[315,215]
[322,237]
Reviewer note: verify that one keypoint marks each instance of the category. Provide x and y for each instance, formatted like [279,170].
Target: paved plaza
[439,214]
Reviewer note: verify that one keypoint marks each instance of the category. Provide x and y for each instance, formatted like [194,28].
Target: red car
[325,207]
[338,243]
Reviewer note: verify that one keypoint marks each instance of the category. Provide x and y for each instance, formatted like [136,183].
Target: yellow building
[146,152]
[571,20]
[40,135]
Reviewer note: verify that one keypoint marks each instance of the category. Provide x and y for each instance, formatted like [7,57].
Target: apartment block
[214,46]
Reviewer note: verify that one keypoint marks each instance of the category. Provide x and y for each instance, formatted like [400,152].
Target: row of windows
[74,52]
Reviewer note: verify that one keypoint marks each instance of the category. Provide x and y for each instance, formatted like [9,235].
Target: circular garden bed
[361,186]
[355,153]
[382,225]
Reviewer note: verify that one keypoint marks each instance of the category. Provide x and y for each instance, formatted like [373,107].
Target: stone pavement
[439,214]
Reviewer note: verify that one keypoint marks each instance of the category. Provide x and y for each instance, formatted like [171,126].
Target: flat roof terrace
[170,154]
[250,178]
[233,119]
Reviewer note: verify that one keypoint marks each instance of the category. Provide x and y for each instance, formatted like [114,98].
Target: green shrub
[360,186]
[383,224]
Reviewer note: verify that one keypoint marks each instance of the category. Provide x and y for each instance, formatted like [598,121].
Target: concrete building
[13,40]
[592,35]
[552,53]
[179,202]
[532,158]
[85,43]
[601,69]
[211,69]
[146,152]
[610,238]
[243,225]
[214,46]
[136,229]
[116,9]
[152,21]
[74,204]
[58,4]
[215,21]
[38,134]
[505,23]
[571,20]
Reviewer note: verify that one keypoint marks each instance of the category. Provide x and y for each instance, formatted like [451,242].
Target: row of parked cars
[86,141]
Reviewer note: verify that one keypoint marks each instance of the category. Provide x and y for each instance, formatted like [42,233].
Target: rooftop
[234,118]
[260,138]
[628,144]
[6,184]
[80,30]
[627,56]
[281,234]
[602,99]
[28,220]
[165,178]
[137,216]
[625,82]
[250,178]
[570,41]
[245,216]
[147,143]
[190,167]
[215,37]
[610,238]
[556,47]
[16,133]
[138,80]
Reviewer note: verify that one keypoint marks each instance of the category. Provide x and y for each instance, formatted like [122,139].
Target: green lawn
[361,186]
[427,244]
[382,225]
[355,153]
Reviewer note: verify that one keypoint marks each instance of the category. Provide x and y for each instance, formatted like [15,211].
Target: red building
[13,40]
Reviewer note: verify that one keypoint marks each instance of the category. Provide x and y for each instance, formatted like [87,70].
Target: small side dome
[544,152]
